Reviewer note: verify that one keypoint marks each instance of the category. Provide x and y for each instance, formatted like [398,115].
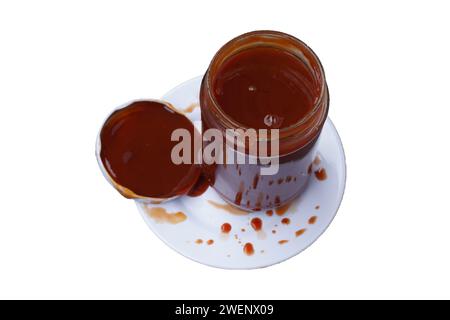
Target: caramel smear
[298,233]
[229,208]
[199,241]
[312,220]
[321,174]
[283,241]
[283,209]
[160,215]
[191,107]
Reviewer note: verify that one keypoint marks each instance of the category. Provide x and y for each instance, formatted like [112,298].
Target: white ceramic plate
[204,220]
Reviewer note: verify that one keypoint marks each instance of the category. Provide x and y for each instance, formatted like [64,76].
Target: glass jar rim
[270,34]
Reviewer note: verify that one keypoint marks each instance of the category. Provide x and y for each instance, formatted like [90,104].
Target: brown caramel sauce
[283,209]
[298,233]
[310,169]
[226,227]
[283,241]
[312,220]
[288,179]
[160,215]
[321,174]
[129,138]
[286,221]
[248,249]
[280,181]
[210,242]
[238,198]
[229,208]
[255,181]
[199,241]
[269,213]
[256,224]
[263,80]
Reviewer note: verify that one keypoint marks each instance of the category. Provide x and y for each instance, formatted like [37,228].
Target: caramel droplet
[283,241]
[285,221]
[238,198]
[210,242]
[269,213]
[321,174]
[226,227]
[255,181]
[256,224]
[248,249]
[312,220]
[298,233]
[199,241]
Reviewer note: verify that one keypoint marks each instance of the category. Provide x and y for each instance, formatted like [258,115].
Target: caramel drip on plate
[190,107]
[228,207]
[248,249]
[321,174]
[283,209]
[312,220]
[160,215]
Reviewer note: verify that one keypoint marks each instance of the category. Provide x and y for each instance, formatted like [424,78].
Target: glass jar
[242,184]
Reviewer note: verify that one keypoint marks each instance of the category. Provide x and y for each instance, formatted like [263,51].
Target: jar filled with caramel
[264,80]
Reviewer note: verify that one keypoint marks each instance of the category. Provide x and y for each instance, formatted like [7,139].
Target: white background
[64,231]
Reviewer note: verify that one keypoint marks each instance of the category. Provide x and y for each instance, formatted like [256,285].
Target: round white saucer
[204,220]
